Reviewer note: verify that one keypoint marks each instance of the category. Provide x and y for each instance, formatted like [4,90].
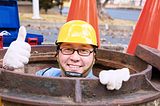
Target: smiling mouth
[74,66]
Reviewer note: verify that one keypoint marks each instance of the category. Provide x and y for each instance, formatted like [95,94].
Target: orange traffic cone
[85,10]
[1,104]
[147,30]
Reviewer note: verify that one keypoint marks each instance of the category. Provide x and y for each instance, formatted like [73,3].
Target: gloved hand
[18,52]
[113,78]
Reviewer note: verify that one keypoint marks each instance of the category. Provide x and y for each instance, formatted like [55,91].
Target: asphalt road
[125,14]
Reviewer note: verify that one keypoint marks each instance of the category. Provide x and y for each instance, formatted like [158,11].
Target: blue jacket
[56,72]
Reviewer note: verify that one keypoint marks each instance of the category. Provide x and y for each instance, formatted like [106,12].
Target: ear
[94,56]
[56,55]
[57,51]
[94,61]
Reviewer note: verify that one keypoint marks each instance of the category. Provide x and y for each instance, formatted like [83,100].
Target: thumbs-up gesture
[18,52]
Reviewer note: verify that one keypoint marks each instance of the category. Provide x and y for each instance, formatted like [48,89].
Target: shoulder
[55,72]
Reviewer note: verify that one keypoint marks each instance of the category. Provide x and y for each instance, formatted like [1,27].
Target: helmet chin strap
[75,74]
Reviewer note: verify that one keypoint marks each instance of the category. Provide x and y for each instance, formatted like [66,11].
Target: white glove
[113,78]
[18,52]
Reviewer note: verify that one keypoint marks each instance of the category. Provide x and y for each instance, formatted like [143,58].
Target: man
[76,53]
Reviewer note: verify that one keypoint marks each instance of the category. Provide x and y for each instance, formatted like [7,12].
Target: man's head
[76,47]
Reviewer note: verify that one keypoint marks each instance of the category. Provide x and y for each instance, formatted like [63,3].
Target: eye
[84,51]
[68,49]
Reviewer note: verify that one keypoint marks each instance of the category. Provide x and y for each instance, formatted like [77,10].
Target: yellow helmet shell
[77,31]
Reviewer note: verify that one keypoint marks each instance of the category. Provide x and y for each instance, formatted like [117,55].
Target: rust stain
[29,89]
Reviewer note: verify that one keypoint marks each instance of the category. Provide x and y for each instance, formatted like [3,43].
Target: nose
[75,56]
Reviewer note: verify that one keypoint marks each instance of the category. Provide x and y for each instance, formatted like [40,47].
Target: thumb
[22,34]
[104,77]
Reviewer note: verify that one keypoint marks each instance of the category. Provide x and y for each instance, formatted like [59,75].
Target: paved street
[125,14]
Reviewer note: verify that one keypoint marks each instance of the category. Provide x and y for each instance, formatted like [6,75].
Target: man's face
[75,62]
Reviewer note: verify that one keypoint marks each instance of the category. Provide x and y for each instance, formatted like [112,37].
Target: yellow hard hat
[77,31]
